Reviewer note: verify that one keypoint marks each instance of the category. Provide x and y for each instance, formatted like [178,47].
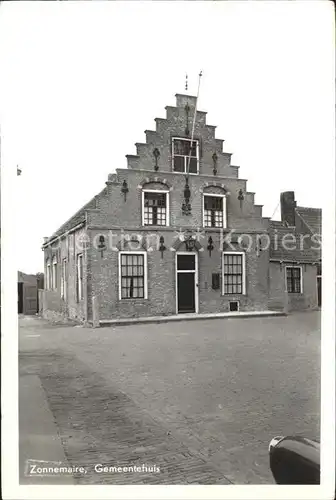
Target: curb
[167,319]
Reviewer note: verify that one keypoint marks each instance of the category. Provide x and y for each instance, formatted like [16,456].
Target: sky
[81,81]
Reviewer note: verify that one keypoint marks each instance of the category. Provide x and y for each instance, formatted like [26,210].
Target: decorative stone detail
[156,154]
[219,186]
[154,179]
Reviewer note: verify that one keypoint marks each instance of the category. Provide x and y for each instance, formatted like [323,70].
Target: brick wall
[104,278]
[67,247]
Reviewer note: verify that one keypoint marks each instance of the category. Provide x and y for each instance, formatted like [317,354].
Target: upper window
[155,208]
[79,273]
[48,277]
[132,275]
[64,279]
[213,211]
[54,274]
[185,155]
[293,277]
[233,273]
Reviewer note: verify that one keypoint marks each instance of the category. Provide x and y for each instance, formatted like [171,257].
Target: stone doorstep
[189,317]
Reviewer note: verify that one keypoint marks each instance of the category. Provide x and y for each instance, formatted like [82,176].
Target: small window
[132,276]
[155,208]
[54,274]
[233,273]
[293,276]
[213,211]
[79,275]
[185,155]
[64,279]
[233,306]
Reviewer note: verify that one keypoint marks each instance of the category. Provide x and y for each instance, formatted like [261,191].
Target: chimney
[288,205]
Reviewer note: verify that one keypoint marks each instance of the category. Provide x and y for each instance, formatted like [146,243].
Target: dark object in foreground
[295,460]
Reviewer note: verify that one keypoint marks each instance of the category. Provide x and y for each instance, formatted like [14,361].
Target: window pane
[193,165]
[179,163]
[185,262]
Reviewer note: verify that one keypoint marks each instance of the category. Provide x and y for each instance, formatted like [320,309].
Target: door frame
[187,271]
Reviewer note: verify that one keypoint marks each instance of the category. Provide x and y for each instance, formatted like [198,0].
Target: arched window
[48,275]
[155,204]
[54,273]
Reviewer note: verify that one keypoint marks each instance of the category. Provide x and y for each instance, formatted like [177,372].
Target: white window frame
[135,252]
[161,191]
[54,273]
[185,162]
[244,274]
[301,279]
[64,280]
[224,210]
[79,280]
[48,275]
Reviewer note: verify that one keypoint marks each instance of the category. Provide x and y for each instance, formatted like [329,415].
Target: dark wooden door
[186,292]
[319,291]
[30,299]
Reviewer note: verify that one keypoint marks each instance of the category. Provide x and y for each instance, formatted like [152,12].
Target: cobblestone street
[199,399]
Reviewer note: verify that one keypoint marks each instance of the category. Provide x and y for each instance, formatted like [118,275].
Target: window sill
[133,299]
[185,173]
[231,295]
[155,226]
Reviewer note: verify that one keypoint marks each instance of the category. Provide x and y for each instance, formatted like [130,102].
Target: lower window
[233,273]
[293,277]
[132,276]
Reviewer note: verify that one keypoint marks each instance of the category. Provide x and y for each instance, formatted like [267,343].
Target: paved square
[200,399]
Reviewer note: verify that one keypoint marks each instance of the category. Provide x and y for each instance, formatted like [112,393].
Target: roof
[296,245]
[76,219]
[312,217]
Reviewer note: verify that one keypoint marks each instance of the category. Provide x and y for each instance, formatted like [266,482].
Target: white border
[133,252]
[196,285]
[166,192]
[301,280]
[224,210]
[198,155]
[244,273]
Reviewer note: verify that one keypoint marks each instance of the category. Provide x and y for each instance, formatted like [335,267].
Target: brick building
[156,241]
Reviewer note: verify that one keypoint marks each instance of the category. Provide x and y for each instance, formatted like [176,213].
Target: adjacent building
[28,292]
[177,231]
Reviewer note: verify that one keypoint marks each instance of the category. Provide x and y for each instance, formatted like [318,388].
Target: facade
[175,232]
[295,258]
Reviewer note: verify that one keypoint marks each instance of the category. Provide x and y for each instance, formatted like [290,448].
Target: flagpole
[193,125]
